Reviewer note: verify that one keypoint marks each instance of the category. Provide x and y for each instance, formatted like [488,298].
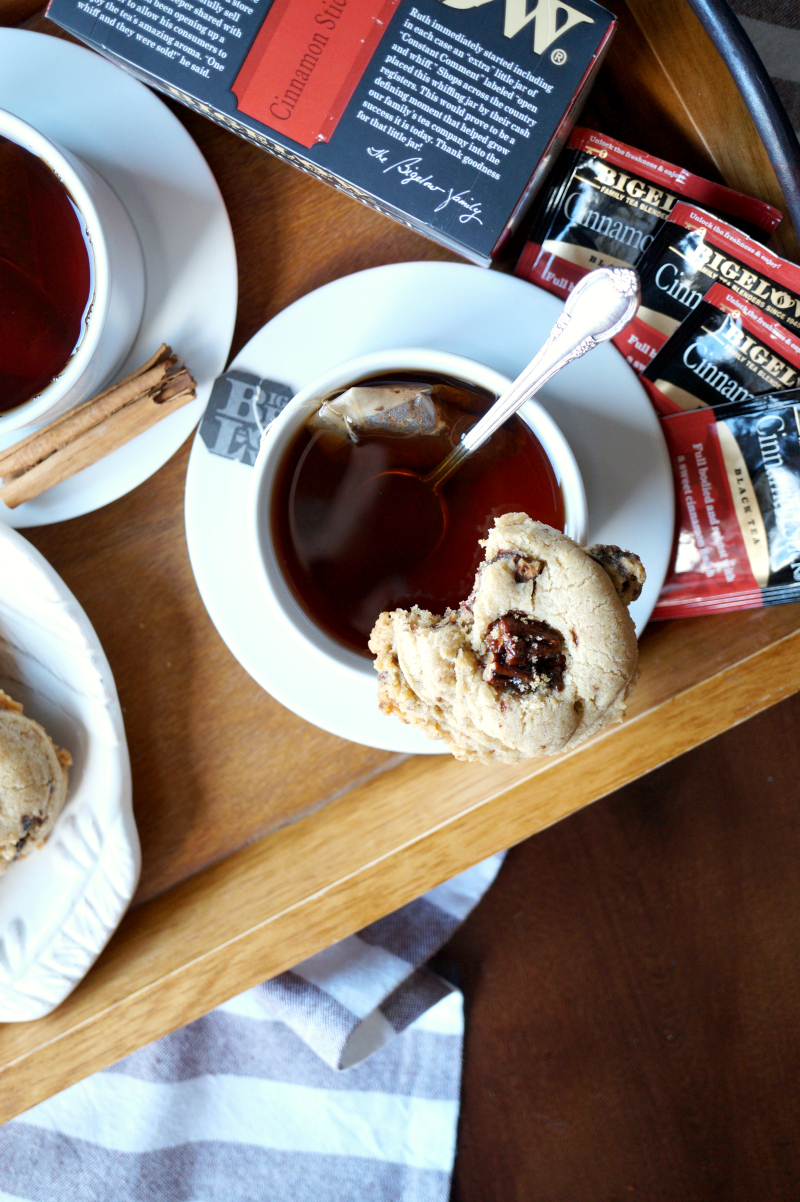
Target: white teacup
[117,281]
[282,431]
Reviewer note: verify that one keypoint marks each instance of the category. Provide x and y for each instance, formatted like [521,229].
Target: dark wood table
[250,866]
[632,988]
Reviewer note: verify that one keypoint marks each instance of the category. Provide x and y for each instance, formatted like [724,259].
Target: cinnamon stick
[94,429]
[63,429]
[90,446]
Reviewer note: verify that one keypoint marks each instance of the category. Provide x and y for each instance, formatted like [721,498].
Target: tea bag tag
[257,394]
[240,409]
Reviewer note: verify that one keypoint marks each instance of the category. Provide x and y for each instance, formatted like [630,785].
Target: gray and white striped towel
[236,1106]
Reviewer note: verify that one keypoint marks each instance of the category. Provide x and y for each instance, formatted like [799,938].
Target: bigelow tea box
[445,114]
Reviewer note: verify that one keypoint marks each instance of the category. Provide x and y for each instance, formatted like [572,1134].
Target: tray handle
[759,94]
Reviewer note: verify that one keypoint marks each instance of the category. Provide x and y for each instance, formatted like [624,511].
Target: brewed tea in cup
[311,545]
[46,269]
[71,278]
[342,537]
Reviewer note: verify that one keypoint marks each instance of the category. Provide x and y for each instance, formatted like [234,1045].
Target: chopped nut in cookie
[524,654]
[625,569]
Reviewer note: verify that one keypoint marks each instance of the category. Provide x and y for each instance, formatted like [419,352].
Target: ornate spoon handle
[599,306]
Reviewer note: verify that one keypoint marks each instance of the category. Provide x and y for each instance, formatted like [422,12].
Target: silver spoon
[599,306]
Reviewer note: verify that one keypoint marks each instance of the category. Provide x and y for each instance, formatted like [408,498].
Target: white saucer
[60,905]
[497,319]
[130,138]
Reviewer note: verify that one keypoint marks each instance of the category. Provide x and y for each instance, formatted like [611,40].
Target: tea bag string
[257,395]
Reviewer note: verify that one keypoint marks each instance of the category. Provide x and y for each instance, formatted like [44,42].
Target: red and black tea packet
[606,201]
[725,350]
[690,253]
[737,478]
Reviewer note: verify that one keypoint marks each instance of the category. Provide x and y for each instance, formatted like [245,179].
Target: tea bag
[403,409]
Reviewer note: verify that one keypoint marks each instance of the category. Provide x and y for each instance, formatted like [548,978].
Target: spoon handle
[599,306]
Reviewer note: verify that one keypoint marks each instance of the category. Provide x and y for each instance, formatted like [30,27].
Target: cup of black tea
[71,278]
[332,530]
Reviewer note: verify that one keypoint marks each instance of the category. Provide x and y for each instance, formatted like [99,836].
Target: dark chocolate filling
[522,651]
[30,825]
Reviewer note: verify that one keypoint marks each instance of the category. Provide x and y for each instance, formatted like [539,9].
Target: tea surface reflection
[45,276]
[348,554]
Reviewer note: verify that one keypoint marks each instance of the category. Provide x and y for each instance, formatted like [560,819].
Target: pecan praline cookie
[33,782]
[540,657]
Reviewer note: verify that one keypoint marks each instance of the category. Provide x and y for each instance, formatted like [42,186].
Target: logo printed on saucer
[229,427]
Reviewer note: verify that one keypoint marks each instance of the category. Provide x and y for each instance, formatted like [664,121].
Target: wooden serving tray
[265,839]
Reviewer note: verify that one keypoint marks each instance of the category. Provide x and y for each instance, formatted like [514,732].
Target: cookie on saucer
[540,657]
[33,782]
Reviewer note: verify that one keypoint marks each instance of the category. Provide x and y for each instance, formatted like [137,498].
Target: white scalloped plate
[60,905]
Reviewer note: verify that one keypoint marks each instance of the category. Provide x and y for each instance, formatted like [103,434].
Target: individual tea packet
[725,350]
[690,253]
[403,409]
[737,478]
[605,202]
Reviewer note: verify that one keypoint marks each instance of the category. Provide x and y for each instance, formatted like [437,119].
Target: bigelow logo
[239,408]
[551,19]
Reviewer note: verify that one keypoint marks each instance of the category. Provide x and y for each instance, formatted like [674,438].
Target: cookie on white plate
[33,782]
[540,657]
